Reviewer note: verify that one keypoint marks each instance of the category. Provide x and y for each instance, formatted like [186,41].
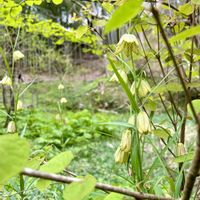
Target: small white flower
[63,100]
[61,87]
[6,81]
[17,55]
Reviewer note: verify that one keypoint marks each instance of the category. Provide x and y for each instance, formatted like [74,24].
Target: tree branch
[101,186]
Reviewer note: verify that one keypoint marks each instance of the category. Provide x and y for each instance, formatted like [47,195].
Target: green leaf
[57,2]
[81,31]
[14,153]
[79,190]
[107,6]
[15,11]
[185,34]
[123,14]
[32,2]
[114,196]
[196,104]
[186,9]
[150,105]
[162,133]
[184,158]
[197,2]
[55,165]
[173,87]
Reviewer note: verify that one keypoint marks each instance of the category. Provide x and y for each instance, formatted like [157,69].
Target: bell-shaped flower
[142,87]
[132,120]
[127,44]
[122,74]
[143,123]
[11,128]
[17,55]
[180,149]
[126,141]
[19,105]
[6,81]
[63,100]
[61,87]
[121,156]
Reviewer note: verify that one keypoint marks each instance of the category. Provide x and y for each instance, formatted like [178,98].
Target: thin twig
[101,186]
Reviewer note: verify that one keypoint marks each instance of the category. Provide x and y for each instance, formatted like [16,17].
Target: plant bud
[128,43]
[143,123]
[11,128]
[19,105]
[122,74]
[144,88]
[63,100]
[61,87]
[131,120]
[6,81]
[57,117]
[121,156]
[17,55]
[126,141]
[180,149]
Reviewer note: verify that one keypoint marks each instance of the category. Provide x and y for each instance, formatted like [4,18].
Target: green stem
[22,187]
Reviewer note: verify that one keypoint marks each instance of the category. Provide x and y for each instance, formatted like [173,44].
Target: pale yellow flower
[122,74]
[142,87]
[17,55]
[131,120]
[61,87]
[126,141]
[127,44]
[143,123]
[180,149]
[6,81]
[63,100]
[11,128]
[121,156]
[19,105]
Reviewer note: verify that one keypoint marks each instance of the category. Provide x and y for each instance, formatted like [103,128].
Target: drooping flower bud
[131,120]
[121,156]
[122,74]
[143,123]
[6,81]
[180,149]
[19,105]
[61,87]
[142,87]
[17,55]
[57,117]
[11,128]
[63,100]
[128,44]
[126,141]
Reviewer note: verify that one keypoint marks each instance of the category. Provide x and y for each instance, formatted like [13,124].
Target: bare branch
[101,186]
